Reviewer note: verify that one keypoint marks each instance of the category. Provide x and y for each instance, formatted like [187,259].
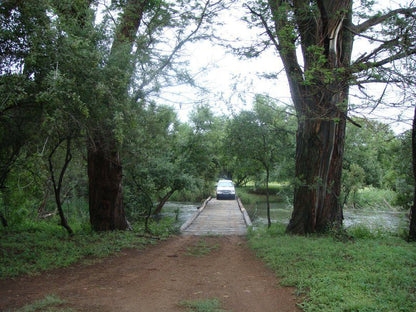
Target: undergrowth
[38,246]
[369,272]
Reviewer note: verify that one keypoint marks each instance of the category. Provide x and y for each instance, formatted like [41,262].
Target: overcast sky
[233,82]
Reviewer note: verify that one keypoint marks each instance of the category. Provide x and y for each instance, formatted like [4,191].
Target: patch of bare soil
[159,277]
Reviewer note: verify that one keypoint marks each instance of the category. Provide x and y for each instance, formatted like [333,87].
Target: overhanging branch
[265,25]
[377,19]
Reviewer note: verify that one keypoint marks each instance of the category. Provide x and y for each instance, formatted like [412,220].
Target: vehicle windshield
[225,184]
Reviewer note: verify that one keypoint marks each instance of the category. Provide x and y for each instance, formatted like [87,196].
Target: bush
[360,231]
[373,198]
[32,247]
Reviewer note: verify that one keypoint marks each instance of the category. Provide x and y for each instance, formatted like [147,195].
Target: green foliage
[65,77]
[260,140]
[201,248]
[334,276]
[402,177]
[162,228]
[370,197]
[165,158]
[377,166]
[369,147]
[359,231]
[193,194]
[251,194]
[202,305]
[353,179]
[50,303]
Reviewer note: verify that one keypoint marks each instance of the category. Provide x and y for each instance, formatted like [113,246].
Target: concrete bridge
[218,217]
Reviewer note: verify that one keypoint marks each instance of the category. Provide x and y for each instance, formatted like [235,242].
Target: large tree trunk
[319,150]
[105,189]
[320,95]
[104,164]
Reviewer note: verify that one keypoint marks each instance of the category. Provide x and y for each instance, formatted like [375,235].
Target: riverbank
[362,271]
[374,216]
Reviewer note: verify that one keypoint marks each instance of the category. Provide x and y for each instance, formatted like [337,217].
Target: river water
[281,212]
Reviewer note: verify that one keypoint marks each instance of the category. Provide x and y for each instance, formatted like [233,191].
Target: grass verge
[375,273]
[50,303]
[36,247]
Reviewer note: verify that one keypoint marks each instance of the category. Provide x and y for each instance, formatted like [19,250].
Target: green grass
[374,273]
[250,196]
[203,305]
[374,198]
[36,247]
[201,248]
[51,303]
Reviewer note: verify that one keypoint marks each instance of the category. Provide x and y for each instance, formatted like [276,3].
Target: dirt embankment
[158,278]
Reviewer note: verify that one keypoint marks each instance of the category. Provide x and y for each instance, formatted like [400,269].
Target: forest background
[65,88]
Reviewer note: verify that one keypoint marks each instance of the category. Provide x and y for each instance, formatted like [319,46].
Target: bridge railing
[243,210]
[195,215]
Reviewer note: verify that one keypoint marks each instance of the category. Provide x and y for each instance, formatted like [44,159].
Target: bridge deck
[218,217]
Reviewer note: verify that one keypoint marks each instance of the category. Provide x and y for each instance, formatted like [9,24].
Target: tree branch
[175,50]
[365,57]
[266,26]
[390,59]
[377,19]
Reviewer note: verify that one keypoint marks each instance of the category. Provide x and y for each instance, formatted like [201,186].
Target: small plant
[203,305]
[201,248]
[51,303]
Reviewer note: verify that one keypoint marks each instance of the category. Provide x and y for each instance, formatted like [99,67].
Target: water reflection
[281,213]
[180,210]
[390,220]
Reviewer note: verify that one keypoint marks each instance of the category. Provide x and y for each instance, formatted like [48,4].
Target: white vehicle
[225,189]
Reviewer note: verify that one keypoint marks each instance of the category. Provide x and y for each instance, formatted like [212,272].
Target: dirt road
[158,278]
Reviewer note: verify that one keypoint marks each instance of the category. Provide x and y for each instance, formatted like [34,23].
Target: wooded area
[83,138]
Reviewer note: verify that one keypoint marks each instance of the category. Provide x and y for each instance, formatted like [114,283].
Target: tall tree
[104,164]
[319,85]
[132,72]
[262,138]
[25,61]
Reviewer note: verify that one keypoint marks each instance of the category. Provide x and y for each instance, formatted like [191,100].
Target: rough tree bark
[104,165]
[319,86]
[319,97]
[105,189]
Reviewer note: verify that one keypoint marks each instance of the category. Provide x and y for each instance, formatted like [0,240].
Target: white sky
[233,82]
